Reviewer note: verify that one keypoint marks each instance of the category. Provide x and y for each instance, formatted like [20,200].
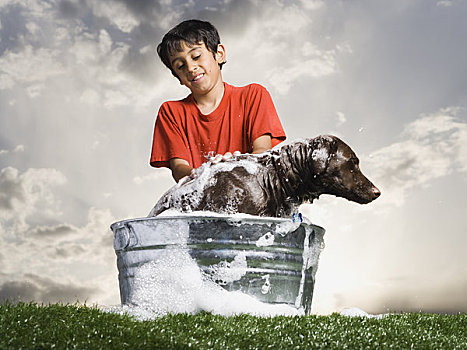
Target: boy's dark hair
[192,32]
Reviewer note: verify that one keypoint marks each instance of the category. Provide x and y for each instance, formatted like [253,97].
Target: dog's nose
[376,192]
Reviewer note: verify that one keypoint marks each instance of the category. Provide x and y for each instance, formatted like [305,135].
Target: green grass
[32,326]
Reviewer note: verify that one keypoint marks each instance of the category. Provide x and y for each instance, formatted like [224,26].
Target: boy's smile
[197,67]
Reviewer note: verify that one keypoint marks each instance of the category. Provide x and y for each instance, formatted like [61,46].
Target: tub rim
[230,218]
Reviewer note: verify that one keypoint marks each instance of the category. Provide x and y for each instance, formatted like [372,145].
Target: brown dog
[273,183]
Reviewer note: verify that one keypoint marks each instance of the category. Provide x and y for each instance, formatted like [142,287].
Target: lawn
[33,326]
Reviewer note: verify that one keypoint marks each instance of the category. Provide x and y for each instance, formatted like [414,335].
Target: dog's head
[337,168]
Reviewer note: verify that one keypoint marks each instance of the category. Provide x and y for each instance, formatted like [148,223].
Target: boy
[216,118]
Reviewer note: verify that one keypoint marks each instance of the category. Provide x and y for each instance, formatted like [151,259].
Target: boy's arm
[180,168]
[262,143]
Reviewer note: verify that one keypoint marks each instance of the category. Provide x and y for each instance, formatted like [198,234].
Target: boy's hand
[187,178]
[221,157]
[180,168]
[260,145]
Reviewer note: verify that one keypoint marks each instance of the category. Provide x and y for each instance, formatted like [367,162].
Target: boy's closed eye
[182,65]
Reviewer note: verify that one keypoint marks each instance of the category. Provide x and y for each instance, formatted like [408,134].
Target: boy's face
[197,68]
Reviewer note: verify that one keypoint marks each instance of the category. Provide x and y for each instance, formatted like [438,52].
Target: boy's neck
[208,102]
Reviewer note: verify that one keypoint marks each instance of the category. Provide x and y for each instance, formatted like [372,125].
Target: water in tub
[175,284]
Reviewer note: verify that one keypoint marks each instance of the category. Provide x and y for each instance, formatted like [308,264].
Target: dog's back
[226,187]
[272,183]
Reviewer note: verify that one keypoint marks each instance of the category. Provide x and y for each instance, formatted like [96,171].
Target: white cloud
[115,98]
[24,194]
[99,63]
[33,28]
[19,148]
[29,66]
[283,44]
[73,55]
[32,287]
[341,119]
[89,96]
[444,3]
[70,259]
[25,63]
[155,175]
[312,4]
[282,78]
[55,231]
[35,90]
[433,146]
[105,42]
[117,13]
[36,7]
[93,49]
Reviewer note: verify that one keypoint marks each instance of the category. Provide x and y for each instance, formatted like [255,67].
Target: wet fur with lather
[273,183]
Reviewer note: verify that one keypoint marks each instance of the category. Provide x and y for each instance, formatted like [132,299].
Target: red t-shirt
[244,114]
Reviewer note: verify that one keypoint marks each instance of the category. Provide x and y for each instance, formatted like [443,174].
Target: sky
[80,86]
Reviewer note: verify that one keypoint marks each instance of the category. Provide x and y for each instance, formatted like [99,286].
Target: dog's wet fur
[273,183]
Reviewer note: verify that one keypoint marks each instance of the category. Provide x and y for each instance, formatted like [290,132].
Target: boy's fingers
[217,159]
[227,156]
[237,153]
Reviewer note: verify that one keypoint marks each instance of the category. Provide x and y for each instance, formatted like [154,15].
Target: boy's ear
[220,54]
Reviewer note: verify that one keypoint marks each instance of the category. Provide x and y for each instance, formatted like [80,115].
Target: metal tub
[281,256]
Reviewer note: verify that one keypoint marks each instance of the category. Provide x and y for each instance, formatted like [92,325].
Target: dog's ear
[324,147]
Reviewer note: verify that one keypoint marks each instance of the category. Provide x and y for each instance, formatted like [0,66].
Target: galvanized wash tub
[280,257]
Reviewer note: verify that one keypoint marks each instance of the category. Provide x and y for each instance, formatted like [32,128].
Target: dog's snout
[376,192]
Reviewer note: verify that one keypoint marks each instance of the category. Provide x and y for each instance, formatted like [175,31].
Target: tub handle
[121,237]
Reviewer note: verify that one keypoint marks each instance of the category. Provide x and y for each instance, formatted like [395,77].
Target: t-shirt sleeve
[263,116]
[169,141]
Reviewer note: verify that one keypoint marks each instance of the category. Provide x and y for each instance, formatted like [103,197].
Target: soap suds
[265,240]
[174,284]
[228,272]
